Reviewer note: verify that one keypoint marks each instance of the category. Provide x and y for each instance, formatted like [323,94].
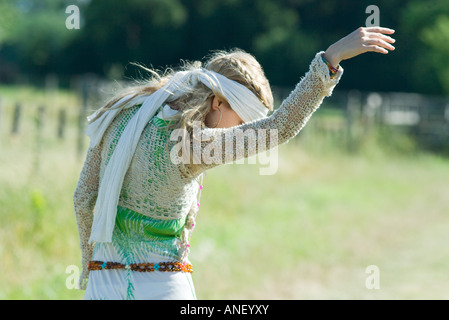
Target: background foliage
[282,34]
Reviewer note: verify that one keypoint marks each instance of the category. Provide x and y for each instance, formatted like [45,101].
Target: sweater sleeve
[229,144]
[84,199]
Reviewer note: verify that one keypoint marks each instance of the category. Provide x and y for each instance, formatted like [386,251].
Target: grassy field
[308,232]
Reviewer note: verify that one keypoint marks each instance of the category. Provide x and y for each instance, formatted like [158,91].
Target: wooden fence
[425,118]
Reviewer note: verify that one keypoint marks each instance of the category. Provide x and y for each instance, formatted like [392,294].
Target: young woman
[138,192]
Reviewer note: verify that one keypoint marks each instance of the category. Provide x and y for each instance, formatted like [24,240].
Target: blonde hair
[236,65]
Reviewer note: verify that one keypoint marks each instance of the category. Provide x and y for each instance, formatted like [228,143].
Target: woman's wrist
[332,57]
[333,70]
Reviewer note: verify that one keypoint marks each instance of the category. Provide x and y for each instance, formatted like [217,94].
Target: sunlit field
[310,231]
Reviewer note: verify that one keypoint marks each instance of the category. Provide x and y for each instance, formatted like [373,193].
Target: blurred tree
[283,35]
[282,43]
[116,32]
[436,37]
[38,35]
[9,18]
[427,27]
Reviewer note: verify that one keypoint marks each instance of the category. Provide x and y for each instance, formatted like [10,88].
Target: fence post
[39,120]
[82,114]
[371,109]
[16,118]
[61,123]
[353,105]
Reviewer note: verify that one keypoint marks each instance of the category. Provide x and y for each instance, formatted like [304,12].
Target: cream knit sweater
[156,187]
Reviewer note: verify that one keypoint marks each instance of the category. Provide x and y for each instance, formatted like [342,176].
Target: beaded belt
[142,267]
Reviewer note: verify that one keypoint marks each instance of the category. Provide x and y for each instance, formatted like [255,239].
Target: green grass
[311,230]
[307,232]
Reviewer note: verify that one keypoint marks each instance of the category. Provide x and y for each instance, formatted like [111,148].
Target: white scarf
[240,98]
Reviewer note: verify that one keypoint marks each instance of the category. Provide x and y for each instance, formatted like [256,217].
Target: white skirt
[121,284]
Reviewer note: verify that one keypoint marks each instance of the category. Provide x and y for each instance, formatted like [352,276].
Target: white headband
[240,98]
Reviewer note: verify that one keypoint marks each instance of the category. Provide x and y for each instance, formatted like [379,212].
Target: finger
[380,43]
[380,30]
[385,45]
[375,48]
[381,36]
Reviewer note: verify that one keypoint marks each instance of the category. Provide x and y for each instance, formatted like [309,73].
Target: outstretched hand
[370,39]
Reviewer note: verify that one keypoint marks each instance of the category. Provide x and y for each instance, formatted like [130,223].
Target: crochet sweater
[156,187]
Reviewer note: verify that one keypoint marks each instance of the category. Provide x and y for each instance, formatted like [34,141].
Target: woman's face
[221,115]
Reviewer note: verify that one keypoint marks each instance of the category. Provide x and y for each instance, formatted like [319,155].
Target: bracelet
[332,71]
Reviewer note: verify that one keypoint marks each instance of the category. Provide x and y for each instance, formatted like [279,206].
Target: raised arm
[84,199]
[230,144]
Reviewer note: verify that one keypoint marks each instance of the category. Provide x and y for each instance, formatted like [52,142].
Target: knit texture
[156,187]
